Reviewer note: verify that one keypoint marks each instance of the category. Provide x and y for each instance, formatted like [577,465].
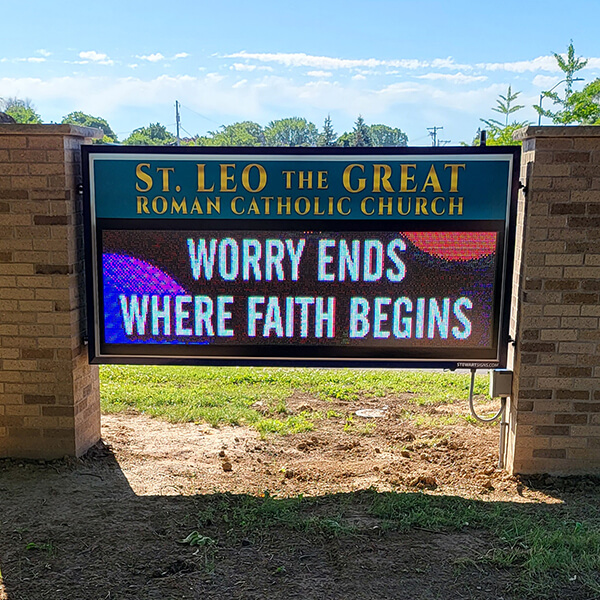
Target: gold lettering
[281,205]
[288,179]
[432,180]
[234,209]
[142,205]
[306,205]
[346,179]
[267,201]
[201,180]
[363,206]
[405,178]
[253,208]
[316,209]
[421,206]
[456,204]
[262,178]
[216,205]
[165,205]
[340,205]
[145,177]
[305,177]
[196,208]
[401,205]
[179,208]
[322,180]
[454,175]
[433,205]
[165,177]
[226,178]
[387,206]
[378,179]
[330,205]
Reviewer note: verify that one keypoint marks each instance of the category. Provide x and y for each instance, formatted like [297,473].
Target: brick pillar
[555,411]
[49,395]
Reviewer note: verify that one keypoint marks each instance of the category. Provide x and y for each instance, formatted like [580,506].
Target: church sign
[300,256]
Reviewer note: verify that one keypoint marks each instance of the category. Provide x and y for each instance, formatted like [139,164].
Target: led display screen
[332,277]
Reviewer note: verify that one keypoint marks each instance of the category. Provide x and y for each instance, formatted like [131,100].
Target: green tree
[22,111]
[500,133]
[328,136]
[505,107]
[583,107]
[244,133]
[384,135]
[569,67]
[362,135]
[153,135]
[293,131]
[80,118]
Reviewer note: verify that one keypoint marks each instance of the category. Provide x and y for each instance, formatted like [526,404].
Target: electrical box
[500,383]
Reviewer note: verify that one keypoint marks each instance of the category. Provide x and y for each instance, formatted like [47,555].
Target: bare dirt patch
[110,525]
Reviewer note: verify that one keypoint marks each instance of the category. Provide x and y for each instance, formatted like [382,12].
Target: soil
[109,525]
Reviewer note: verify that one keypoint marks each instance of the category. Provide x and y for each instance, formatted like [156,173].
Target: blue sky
[411,65]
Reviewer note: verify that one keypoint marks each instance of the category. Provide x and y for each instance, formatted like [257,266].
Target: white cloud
[156,57]
[358,77]
[541,63]
[181,55]
[452,77]
[545,81]
[133,66]
[246,67]
[319,73]
[300,59]
[92,55]
[44,52]
[96,57]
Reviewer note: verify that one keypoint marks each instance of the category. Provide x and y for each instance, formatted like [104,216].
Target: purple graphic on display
[127,275]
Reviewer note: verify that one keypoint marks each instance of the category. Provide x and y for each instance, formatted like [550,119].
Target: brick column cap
[533,131]
[64,130]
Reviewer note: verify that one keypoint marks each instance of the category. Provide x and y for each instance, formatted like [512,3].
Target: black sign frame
[293,355]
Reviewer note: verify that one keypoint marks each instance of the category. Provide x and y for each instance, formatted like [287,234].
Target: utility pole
[177,120]
[434,139]
[433,133]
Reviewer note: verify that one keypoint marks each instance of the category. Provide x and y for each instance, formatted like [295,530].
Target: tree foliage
[153,135]
[293,131]
[22,111]
[362,135]
[244,133]
[565,114]
[85,120]
[328,136]
[498,133]
[505,107]
[384,135]
[583,107]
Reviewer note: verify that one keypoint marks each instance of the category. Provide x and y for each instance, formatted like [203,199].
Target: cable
[472,407]
[197,113]
[501,413]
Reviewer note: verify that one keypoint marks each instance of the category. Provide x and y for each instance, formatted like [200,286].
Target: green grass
[226,395]
[547,545]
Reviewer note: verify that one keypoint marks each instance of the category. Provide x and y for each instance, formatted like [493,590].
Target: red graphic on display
[454,245]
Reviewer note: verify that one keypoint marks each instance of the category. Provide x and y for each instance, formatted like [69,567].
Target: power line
[433,133]
[200,115]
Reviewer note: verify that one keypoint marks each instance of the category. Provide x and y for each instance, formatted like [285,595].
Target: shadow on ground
[74,530]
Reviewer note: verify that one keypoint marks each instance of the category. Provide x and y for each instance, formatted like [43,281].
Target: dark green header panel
[328,186]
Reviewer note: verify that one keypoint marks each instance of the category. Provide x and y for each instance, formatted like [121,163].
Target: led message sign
[385,257]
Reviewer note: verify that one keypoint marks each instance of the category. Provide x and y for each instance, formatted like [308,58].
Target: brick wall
[49,395]
[555,411]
